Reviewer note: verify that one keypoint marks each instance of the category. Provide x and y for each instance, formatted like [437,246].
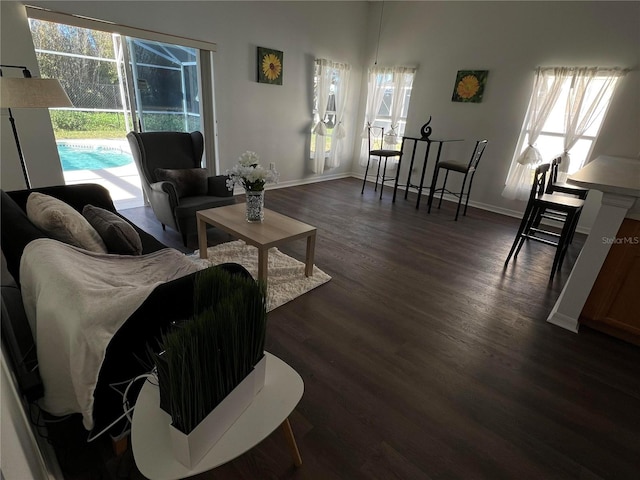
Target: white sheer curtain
[323,85]
[402,79]
[546,90]
[376,86]
[381,79]
[589,87]
[585,94]
[339,131]
[329,74]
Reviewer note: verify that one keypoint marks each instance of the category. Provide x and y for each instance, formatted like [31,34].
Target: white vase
[190,449]
[255,206]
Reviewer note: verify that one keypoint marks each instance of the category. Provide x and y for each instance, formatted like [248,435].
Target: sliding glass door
[165,83]
[117,84]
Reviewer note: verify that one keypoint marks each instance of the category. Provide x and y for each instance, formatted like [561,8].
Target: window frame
[576,162]
[204,49]
[328,113]
[385,121]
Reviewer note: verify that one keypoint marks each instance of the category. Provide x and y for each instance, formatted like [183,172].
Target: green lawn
[82,134]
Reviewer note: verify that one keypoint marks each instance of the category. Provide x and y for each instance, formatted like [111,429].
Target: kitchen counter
[617,175]
[618,179]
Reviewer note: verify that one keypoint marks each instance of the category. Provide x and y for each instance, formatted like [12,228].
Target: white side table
[271,408]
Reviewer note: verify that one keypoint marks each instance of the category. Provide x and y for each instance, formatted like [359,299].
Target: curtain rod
[624,70]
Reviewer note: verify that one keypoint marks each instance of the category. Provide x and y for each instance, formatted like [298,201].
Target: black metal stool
[468,169]
[378,141]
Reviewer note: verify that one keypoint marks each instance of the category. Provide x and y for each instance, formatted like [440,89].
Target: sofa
[168,303]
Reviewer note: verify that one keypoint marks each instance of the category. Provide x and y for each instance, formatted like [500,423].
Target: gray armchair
[175,185]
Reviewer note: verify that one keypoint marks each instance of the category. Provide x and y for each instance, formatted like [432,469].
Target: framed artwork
[469,86]
[270,67]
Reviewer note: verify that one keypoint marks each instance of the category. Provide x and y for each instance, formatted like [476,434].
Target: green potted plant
[213,364]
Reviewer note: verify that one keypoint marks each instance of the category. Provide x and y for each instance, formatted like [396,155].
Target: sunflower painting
[469,86]
[270,66]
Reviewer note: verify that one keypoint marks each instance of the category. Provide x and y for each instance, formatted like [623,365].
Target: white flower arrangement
[250,174]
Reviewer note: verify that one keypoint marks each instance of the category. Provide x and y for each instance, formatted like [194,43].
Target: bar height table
[440,142]
[413,156]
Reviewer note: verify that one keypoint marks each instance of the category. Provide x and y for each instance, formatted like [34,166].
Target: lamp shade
[32,93]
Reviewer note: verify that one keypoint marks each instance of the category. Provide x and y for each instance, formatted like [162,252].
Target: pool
[91,157]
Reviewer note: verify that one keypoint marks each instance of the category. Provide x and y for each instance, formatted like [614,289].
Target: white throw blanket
[75,301]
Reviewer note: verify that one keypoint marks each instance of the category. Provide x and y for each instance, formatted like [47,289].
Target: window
[90,65]
[566,110]
[120,79]
[388,97]
[330,89]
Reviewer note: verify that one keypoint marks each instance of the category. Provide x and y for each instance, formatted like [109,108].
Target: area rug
[286,279]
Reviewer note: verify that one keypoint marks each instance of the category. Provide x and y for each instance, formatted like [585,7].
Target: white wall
[510,39]
[273,121]
[33,125]
[22,456]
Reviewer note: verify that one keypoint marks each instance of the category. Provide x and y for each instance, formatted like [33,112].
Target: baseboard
[563,321]
[306,181]
[297,183]
[482,206]
[448,198]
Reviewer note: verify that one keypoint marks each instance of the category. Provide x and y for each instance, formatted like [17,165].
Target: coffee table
[271,407]
[276,229]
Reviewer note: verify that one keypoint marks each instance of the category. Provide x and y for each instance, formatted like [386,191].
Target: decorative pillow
[118,235]
[62,222]
[189,182]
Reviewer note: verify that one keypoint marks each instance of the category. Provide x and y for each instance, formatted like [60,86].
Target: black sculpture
[425,131]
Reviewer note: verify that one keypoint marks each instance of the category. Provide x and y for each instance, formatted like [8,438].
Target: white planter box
[189,449]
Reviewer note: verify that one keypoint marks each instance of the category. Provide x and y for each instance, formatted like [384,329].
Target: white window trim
[383,120]
[40,13]
[515,169]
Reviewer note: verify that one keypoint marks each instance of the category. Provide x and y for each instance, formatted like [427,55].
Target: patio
[122,182]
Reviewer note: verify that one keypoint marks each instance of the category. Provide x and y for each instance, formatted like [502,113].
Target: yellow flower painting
[270,66]
[469,86]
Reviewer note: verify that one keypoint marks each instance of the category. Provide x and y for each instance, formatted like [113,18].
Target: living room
[509,39]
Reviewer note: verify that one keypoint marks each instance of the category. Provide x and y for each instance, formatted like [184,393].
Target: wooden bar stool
[539,201]
[560,188]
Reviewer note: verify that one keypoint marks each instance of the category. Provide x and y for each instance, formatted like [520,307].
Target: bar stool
[539,202]
[553,186]
[468,169]
[376,139]
[561,188]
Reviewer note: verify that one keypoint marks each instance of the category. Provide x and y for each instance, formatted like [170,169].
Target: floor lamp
[29,92]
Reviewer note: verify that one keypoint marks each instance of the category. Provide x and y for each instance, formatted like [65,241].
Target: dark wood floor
[424,358]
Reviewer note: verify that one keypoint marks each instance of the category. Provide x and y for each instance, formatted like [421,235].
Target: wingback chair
[169,164]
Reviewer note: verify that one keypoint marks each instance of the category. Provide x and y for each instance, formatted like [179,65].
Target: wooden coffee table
[276,229]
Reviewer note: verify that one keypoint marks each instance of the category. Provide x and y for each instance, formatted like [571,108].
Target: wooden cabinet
[613,305]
